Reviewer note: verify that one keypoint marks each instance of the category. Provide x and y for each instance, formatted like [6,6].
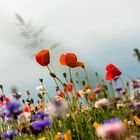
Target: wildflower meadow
[79,110]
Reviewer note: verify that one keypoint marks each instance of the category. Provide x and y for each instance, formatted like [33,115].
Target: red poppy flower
[77,95]
[1,103]
[43,57]
[26,108]
[91,96]
[60,94]
[86,87]
[69,87]
[40,105]
[5,99]
[70,59]
[112,72]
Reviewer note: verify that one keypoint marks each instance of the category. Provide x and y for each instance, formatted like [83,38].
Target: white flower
[40,88]
[58,107]
[85,92]
[102,103]
[26,116]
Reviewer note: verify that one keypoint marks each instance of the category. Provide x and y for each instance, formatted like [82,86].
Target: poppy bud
[32,100]
[57,88]
[53,75]
[39,95]
[1,87]
[71,80]
[28,92]
[96,73]
[41,80]
[84,83]
[23,101]
[65,75]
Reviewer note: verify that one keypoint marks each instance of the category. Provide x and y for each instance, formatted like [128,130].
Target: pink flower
[111,128]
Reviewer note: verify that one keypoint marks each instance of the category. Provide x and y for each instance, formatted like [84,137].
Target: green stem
[54,80]
[46,91]
[86,76]
[72,79]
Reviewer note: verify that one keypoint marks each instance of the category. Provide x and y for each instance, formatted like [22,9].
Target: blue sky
[98,31]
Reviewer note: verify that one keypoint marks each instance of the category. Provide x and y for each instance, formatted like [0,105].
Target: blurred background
[98,31]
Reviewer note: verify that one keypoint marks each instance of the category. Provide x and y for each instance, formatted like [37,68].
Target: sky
[98,31]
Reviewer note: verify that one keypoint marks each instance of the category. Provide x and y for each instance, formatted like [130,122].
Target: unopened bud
[84,83]
[65,75]
[53,75]
[41,80]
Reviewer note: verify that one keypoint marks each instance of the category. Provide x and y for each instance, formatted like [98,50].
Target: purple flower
[41,123]
[35,130]
[112,120]
[38,124]
[17,112]
[96,90]
[10,134]
[122,92]
[40,115]
[118,88]
[137,104]
[11,106]
[7,113]
[111,128]
[47,122]
[12,109]
[135,84]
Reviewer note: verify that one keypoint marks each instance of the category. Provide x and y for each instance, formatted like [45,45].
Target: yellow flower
[58,137]
[43,138]
[95,125]
[67,135]
[136,119]
[125,122]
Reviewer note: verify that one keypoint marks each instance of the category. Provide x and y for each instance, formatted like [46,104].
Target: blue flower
[42,123]
[12,109]
[10,134]
[112,120]
[40,115]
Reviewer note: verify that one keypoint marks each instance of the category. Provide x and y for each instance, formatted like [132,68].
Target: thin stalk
[54,79]
[72,79]
[86,76]
[46,91]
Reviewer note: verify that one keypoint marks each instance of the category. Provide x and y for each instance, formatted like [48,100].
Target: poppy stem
[45,91]
[86,76]
[54,79]
[1,87]
[122,82]
[72,79]
[79,80]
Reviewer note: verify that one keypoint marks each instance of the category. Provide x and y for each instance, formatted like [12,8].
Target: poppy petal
[43,57]
[71,59]
[109,67]
[62,59]
[79,64]
[109,76]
